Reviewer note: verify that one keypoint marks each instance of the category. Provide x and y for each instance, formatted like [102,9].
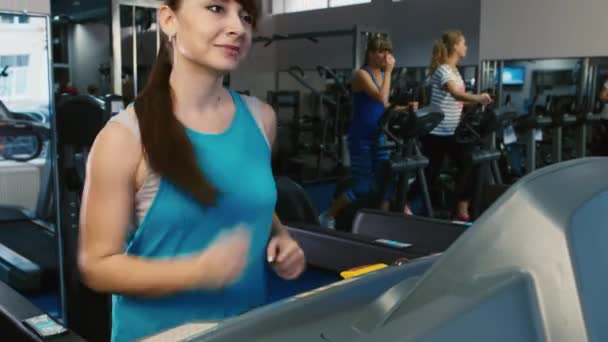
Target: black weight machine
[318,136]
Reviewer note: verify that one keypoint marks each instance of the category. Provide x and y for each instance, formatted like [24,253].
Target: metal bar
[500,99]
[584,80]
[55,179]
[530,151]
[499,91]
[557,144]
[482,175]
[496,172]
[356,43]
[304,35]
[424,186]
[593,86]
[479,78]
[134,37]
[157,31]
[116,48]
[593,79]
[580,142]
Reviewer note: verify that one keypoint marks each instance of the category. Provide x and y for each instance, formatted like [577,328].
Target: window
[291,6]
[14,19]
[338,3]
[14,82]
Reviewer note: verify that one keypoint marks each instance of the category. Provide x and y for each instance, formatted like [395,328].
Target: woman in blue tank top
[178,215]
[371,88]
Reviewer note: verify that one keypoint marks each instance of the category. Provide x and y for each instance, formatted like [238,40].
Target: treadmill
[531,269]
[15,309]
[28,245]
[28,262]
[328,254]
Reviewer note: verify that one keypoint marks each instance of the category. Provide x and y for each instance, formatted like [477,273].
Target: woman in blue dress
[177,214]
[371,87]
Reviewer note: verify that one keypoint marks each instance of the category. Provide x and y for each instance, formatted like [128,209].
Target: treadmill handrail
[322,248]
[15,259]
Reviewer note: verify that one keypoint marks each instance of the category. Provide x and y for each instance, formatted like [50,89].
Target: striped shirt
[440,97]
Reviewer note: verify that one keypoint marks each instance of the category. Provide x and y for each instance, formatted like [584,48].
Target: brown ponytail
[444,48]
[167,148]
[166,145]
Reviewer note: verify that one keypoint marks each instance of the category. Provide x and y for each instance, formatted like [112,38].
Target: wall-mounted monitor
[513,76]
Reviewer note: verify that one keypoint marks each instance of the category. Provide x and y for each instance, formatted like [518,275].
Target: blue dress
[237,162]
[364,138]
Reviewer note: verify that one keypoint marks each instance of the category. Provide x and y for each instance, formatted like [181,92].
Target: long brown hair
[167,148]
[444,48]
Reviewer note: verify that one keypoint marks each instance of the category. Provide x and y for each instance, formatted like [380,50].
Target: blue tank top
[237,162]
[366,113]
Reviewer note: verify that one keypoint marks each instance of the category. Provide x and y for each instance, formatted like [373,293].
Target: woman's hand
[286,256]
[222,263]
[390,62]
[485,99]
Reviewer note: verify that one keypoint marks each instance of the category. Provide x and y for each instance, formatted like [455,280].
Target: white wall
[89,47]
[257,73]
[32,6]
[517,29]
[413,25]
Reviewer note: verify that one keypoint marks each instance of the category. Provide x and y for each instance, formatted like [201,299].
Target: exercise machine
[423,235]
[474,131]
[79,119]
[402,131]
[27,244]
[491,274]
[316,139]
[16,310]
[420,235]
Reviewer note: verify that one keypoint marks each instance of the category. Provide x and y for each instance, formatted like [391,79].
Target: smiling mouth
[231,49]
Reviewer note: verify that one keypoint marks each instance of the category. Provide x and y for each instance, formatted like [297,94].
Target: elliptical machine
[402,130]
[474,130]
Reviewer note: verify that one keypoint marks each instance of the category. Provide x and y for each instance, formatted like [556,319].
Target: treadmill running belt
[34,243]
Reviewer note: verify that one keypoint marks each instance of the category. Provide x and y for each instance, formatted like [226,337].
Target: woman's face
[461,48]
[215,34]
[377,59]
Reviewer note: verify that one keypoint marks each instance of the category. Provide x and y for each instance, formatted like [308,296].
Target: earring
[171,38]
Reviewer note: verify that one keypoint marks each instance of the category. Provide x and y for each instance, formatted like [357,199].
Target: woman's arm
[466,97]
[364,82]
[283,252]
[449,82]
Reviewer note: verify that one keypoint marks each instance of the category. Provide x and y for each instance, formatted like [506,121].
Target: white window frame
[328,4]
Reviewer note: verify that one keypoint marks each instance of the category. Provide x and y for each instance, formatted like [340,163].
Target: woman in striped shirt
[449,94]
